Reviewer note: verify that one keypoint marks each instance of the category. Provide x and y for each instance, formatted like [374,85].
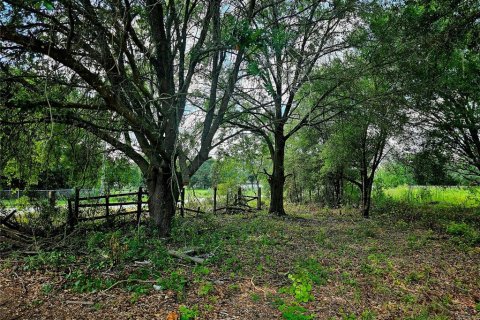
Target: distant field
[200,193]
[456,196]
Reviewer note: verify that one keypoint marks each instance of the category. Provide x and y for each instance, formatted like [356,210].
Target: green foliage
[81,282]
[132,245]
[464,232]
[365,315]
[314,271]
[201,270]
[435,195]
[255,297]
[203,177]
[119,173]
[301,287]
[187,313]
[52,259]
[47,288]
[431,166]
[378,265]
[308,273]
[176,281]
[205,288]
[42,4]
[394,174]
[295,312]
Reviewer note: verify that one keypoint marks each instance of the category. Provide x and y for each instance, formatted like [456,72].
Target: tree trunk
[162,198]
[366,197]
[277,179]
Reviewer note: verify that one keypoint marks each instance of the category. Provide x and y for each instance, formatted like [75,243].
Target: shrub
[187,313]
[463,231]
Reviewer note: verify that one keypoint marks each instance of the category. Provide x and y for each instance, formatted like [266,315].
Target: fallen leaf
[173,316]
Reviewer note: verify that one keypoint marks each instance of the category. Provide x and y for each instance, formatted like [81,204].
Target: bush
[463,231]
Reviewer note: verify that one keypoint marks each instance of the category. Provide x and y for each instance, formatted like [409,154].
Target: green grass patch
[434,195]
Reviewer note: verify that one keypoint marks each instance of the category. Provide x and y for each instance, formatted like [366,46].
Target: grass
[447,196]
[313,264]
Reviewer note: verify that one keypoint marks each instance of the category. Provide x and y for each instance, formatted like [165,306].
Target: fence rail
[80,199]
[75,204]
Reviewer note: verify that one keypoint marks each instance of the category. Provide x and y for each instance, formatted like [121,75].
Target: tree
[203,176]
[296,37]
[361,136]
[442,74]
[124,71]
[49,157]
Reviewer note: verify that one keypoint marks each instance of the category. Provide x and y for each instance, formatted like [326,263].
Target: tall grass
[438,195]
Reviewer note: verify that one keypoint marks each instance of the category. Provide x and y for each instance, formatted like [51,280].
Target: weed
[401,225]
[47,288]
[367,315]
[48,259]
[98,306]
[37,302]
[81,282]
[234,287]
[187,313]
[176,282]
[232,264]
[255,297]
[301,287]
[321,236]
[205,288]
[314,271]
[463,232]
[415,277]
[95,241]
[410,298]
[377,264]
[208,307]
[201,270]
[294,312]
[348,279]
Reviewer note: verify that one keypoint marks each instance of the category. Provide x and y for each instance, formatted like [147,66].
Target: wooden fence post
[214,199]
[70,217]
[239,196]
[107,209]
[228,196]
[182,202]
[76,206]
[51,199]
[139,204]
[259,198]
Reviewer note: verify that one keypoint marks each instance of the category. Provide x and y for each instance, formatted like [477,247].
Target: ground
[313,264]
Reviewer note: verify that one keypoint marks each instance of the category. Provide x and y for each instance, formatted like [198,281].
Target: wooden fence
[75,204]
[234,203]
[238,201]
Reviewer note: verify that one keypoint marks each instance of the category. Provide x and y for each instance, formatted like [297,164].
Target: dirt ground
[372,270]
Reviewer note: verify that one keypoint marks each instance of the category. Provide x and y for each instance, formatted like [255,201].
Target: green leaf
[48,5]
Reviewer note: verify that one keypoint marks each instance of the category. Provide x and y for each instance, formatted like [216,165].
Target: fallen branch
[4,220]
[85,303]
[15,235]
[183,256]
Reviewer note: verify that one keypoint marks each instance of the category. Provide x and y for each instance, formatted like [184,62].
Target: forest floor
[312,264]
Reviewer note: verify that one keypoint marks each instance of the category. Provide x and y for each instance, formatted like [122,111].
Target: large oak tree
[125,71]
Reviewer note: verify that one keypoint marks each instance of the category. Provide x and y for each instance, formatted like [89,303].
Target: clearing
[327,264]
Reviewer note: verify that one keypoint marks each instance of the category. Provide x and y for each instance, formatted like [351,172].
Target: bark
[277,179]
[163,195]
[366,197]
